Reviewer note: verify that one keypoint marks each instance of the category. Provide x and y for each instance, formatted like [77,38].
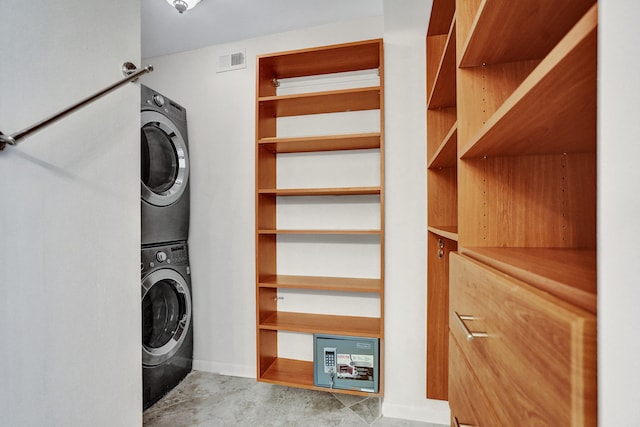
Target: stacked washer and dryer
[167,327]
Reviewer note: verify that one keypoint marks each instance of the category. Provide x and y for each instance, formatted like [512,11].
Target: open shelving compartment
[527,151]
[323,84]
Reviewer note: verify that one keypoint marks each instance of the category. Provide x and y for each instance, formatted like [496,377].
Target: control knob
[158,100]
[161,256]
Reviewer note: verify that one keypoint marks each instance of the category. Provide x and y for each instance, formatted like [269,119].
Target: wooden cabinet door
[534,355]
[469,405]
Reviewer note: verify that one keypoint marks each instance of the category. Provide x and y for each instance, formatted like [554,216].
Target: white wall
[69,263]
[221,116]
[405,27]
[618,213]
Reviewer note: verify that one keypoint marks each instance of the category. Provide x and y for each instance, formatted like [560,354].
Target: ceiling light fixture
[182,5]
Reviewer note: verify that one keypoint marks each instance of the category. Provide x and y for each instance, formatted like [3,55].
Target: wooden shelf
[285,371]
[334,101]
[443,92]
[447,231]
[339,284]
[347,232]
[368,327]
[446,155]
[554,109]
[360,141]
[339,58]
[442,12]
[569,274]
[491,41]
[342,191]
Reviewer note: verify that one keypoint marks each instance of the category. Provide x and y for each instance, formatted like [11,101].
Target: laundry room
[81,248]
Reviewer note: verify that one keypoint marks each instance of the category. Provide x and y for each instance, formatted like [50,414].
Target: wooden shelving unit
[270,144]
[522,173]
[442,200]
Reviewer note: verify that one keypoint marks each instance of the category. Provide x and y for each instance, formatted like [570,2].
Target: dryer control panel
[157,256]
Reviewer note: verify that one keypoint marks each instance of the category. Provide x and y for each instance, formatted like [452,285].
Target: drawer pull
[460,318]
[456,423]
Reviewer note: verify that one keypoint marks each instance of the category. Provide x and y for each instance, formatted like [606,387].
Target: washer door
[166,315]
[164,160]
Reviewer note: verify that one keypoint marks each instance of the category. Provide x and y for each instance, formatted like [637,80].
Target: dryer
[167,321]
[164,171]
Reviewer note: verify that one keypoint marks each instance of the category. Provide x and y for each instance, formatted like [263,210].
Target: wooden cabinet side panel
[438,315]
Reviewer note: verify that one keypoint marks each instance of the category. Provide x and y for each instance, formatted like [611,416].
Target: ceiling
[212,22]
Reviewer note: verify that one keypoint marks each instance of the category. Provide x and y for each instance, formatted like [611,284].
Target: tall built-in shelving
[272,107]
[512,210]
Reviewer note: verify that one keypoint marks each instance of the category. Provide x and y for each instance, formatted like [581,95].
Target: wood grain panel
[334,101]
[528,201]
[442,12]
[540,352]
[323,324]
[435,50]
[359,141]
[267,350]
[467,399]
[492,41]
[569,274]
[446,155]
[443,197]
[481,91]
[554,109]
[438,316]
[443,92]
[364,55]
[440,123]
[341,284]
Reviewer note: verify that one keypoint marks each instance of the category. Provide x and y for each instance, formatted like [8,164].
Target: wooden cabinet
[531,353]
[321,88]
[522,173]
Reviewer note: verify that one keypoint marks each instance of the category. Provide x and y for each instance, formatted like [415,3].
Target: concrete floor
[210,400]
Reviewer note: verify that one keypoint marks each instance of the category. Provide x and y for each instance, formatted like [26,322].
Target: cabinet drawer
[533,354]
[469,405]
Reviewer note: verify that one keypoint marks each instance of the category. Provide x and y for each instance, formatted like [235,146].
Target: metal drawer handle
[457,423]
[468,334]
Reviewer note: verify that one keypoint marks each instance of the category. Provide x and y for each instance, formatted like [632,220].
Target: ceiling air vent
[232,61]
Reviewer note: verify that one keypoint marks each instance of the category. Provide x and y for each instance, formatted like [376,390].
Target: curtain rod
[128,69]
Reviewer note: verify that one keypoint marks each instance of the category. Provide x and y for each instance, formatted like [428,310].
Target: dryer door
[164,160]
[166,315]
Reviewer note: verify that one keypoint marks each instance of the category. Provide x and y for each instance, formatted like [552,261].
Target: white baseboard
[229,369]
[434,411]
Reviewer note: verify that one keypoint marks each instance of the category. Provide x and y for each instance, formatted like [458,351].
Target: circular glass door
[164,168]
[166,315]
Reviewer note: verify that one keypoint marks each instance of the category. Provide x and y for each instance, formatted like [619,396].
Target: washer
[164,171]
[167,321]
